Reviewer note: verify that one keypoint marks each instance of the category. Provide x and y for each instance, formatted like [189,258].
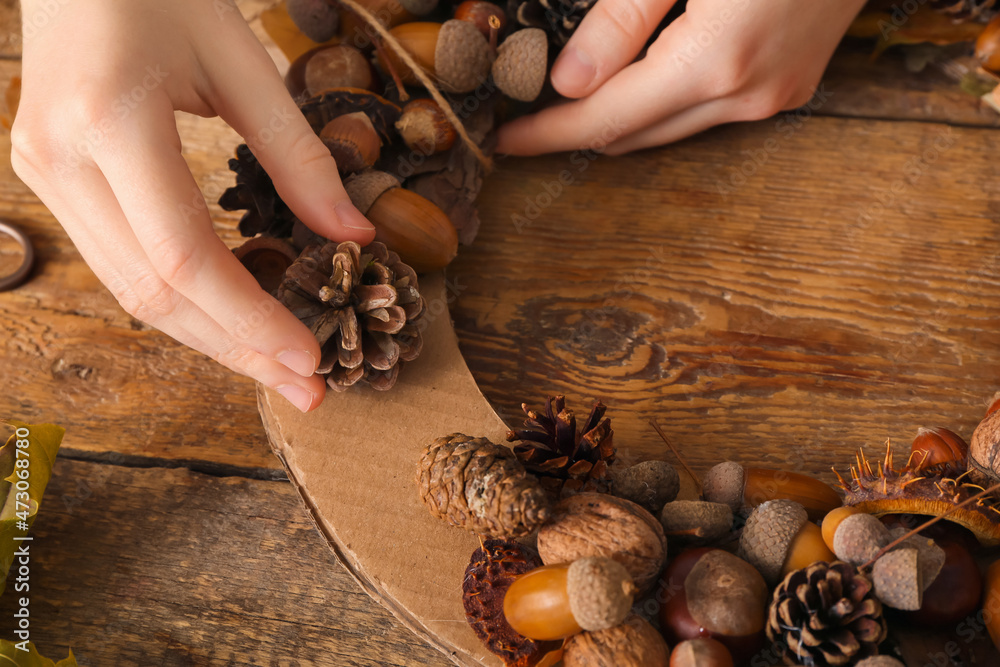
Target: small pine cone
[254,192]
[826,614]
[480,486]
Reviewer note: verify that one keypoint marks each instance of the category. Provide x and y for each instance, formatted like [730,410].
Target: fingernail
[300,361]
[351,218]
[573,71]
[297,396]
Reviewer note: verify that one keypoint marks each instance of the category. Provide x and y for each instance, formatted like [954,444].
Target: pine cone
[565,460]
[480,486]
[826,614]
[967,10]
[266,213]
[362,305]
[558,18]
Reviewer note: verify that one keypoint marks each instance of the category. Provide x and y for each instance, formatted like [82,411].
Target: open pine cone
[566,460]
[362,305]
[254,192]
[826,614]
[558,18]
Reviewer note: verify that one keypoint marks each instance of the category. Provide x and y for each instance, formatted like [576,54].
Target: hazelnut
[337,66]
[984,449]
[937,446]
[897,579]
[522,64]
[558,601]
[634,643]
[317,19]
[696,522]
[650,484]
[424,127]
[859,537]
[778,538]
[595,524]
[745,488]
[701,652]
[454,52]
[390,13]
[478,13]
[352,141]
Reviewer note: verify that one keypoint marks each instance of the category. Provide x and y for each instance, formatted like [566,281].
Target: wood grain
[168,567]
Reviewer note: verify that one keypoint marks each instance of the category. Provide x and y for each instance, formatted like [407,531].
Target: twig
[687,469]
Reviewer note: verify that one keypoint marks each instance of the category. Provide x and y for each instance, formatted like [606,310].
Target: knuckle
[30,147]
[238,358]
[147,299]
[628,18]
[176,259]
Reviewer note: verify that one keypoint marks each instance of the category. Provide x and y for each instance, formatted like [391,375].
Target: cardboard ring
[21,274]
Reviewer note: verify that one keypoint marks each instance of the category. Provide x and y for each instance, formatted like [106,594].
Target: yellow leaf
[286,35]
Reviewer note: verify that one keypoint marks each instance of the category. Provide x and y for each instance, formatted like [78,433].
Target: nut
[897,579]
[594,524]
[954,595]
[880,661]
[724,484]
[984,450]
[419,7]
[726,595]
[600,592]
[338,66]
[741,488]
[455,52]
[478,13]
[650,484]
[931,555]
[701,652]
[634,643]
[266,259]
[353,142]
[988,46]
[937,447]
[859,537]
[317,19]
[696,522]
[991,602]
[807,548]
[832,521]
[424,127]
[768,535]
[522,64]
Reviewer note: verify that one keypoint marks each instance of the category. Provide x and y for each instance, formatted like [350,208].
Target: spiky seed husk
[826,614]
[711,522]
[897,579]
[462,57]
[600,592]
[859,537]
[521,65]
[480,486]
[724,484]
[768,534]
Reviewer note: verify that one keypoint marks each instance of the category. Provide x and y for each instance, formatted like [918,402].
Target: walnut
[634,643]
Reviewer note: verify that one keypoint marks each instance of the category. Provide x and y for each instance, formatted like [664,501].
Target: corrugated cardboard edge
[350,462]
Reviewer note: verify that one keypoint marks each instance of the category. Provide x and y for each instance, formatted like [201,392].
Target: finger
[610,37]
[248,93]
[676,127]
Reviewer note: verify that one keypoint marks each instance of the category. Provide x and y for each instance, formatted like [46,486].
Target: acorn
[938,447]
[404,221]
[337,66]
[779,538]
[859,537]
[633,643]
[454,52]
[988,46]
[880,661]
[521,64]
[955,593]
[897,578]
[317,19]
[931,557]
[651,484]
[832,521]
[424,127]
[352,141]
[701,652]
[696,522]
[558,601]
[478,13]
[745,488]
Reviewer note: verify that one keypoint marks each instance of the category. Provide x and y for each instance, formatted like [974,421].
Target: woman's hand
[721,61]
[95,138]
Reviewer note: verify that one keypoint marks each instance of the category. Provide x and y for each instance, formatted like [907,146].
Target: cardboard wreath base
[354,462]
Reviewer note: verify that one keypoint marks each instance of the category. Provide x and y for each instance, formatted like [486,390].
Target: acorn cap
[521,64]
[419,7]
[651,484]
[768,534]
[600,592]
[317,19]
[724,484]
[726,595]
[859,537]
[365,187]
[897,579]
[353,141]
[931,556]
[714,521]
[880,661]
[461,57]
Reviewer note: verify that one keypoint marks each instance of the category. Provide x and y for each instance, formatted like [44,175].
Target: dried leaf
[280,28]
[924,25]
[10,654]
[12,97]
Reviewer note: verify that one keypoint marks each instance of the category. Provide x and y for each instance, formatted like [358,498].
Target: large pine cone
[478,485]
[566,460]
[558,18]
[363,306]
[826,614]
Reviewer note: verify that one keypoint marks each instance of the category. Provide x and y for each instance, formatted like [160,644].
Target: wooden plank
[170,567]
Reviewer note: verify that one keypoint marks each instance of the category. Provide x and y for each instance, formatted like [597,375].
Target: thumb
[610,37]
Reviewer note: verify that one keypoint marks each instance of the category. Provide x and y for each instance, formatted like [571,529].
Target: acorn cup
[404,221]
[522,64]
[455,53]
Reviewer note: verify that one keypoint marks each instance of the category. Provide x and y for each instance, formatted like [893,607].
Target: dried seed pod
[651,484]
[859,537]
[558,601]
[897,579]
[424,127]
[480,486]
[745,488]
[478,13]
[522,64]
[634,643]
[266,259]
[779,538]
[693,523]
[338,66]
[595,524]
[701,652]
[455,52]
[938,447]
[353,142]
[984,450]
[317,19]
[406,222]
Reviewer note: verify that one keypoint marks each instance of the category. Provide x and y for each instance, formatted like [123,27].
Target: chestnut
[955,593]
[701,652]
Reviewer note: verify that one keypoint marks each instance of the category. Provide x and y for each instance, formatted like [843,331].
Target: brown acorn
[338,66]
[454,52]
[352,141]
[404,221]
[521,64]
[424,127]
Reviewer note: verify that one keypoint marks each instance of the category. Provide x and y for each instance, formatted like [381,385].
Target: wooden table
[785,323]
